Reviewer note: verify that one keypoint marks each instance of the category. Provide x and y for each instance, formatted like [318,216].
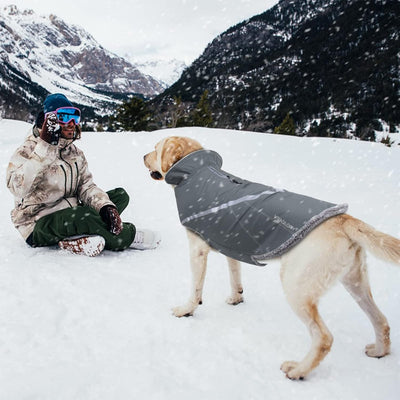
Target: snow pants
[83,220]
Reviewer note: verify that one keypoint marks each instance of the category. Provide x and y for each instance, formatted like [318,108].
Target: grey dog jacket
[247,221]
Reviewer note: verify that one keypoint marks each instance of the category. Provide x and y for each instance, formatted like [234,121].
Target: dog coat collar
[190,164]
[244,220]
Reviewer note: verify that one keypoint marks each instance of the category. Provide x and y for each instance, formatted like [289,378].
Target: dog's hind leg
[198,261]
[357,283]
[236,296]
[306,274]
[321,340]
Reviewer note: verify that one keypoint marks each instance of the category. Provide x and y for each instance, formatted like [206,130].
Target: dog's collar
[192,163]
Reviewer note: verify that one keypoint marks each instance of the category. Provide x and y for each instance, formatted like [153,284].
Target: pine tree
[202,115]
[133,115]
[287,126]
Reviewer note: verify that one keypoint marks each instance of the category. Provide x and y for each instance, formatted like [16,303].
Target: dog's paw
[235,300]
[292,370]
[372,350]
[183,311]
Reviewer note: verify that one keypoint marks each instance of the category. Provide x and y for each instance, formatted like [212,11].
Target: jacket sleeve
[27,163]
[88,192]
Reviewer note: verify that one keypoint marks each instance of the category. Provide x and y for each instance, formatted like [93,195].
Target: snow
[101,328]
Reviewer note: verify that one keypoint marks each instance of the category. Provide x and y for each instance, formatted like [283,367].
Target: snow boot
[84,245]
[145,240]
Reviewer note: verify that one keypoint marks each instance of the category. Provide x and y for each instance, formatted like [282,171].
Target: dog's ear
[171,153]
[175,148]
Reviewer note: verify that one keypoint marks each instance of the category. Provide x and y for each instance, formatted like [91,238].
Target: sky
[151,29]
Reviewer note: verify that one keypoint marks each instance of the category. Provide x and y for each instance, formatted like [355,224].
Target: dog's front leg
[198,261]
[236,282]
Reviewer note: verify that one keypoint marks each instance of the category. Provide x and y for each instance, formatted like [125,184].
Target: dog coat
[247,221]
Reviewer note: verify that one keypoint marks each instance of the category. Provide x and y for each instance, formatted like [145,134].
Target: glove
[110,216]
[51,131]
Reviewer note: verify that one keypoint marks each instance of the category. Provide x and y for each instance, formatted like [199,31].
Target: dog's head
[167,152]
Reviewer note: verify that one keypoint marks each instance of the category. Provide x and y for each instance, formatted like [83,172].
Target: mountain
[166,72]
[331,64]
[41,54]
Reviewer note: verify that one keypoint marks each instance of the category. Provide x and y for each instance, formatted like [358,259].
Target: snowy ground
[76,328]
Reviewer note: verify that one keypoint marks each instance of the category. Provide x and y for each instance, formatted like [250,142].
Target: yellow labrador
[335,250]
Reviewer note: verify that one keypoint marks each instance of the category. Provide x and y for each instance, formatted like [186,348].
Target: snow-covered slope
[65,58]
[97,329]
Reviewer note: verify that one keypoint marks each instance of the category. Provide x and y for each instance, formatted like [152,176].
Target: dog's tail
[380,244]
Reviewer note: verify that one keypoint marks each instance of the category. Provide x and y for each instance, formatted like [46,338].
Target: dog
[335,250]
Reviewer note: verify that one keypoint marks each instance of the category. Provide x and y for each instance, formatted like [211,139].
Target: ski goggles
[67,114]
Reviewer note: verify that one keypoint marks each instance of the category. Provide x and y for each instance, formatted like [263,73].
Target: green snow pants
[83,220]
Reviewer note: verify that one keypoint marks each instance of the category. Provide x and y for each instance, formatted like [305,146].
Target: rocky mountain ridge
[332,64]
[41,54]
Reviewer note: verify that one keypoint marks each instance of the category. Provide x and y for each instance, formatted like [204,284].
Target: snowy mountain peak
[46,52]
[12,9]
[166,72]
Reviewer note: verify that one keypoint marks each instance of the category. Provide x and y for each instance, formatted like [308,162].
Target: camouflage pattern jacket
[45,178]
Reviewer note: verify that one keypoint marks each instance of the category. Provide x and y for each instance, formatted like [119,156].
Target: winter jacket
[45,178]
[244,220]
